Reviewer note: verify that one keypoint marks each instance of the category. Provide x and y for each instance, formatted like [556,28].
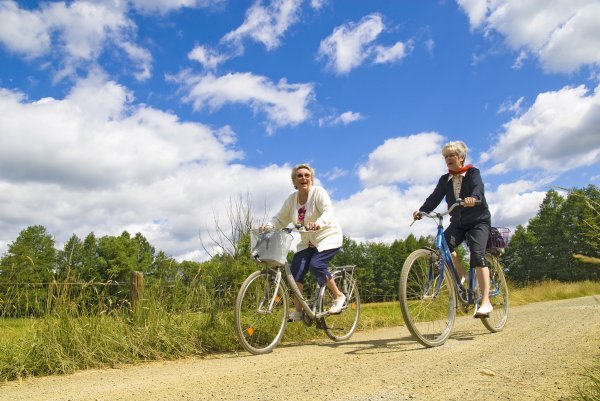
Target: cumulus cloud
[22,31]
[559,132]
[351,44]
[92,139]
[97,161]
[561,34]
[75,34]
[266,25]
[409,159]
[514,203]
[283,103]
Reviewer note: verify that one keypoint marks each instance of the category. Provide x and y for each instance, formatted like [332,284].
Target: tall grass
[589,387]
[169,322]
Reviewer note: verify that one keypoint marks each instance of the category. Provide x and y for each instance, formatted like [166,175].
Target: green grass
[588,387]
[73,338]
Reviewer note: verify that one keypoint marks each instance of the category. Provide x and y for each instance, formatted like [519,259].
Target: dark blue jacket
[472,185]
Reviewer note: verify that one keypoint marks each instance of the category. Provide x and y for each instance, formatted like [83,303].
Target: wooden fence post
[137,287]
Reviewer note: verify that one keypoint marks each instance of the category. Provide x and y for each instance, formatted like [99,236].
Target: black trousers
[477,237]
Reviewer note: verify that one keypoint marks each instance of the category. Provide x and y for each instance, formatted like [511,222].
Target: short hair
[457,147]
[298,167]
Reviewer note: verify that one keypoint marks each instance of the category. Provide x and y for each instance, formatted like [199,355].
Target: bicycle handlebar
[436,215]
[299,228]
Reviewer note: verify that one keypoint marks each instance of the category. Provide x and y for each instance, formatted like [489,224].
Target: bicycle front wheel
[498,296]
[260,312]
[341,326]
[427,299]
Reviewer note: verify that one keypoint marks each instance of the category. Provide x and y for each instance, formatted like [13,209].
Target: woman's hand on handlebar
[470,201]
[312,226]
[417,215]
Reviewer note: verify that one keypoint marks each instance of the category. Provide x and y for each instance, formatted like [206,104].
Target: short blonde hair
[298,167]
[457,147]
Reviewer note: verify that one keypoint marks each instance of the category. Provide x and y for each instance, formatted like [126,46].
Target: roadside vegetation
[72,309]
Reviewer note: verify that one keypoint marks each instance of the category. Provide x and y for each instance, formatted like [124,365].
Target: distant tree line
[561,242]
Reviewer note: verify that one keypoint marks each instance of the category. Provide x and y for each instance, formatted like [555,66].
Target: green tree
[118,256]
[30,258]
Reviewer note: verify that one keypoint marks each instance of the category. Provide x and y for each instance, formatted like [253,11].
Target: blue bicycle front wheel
[427,297]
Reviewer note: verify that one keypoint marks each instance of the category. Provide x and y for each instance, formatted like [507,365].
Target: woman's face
[454,161]
[303,179]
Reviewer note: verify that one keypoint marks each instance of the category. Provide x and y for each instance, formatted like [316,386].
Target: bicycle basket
[271,246]
[498,238]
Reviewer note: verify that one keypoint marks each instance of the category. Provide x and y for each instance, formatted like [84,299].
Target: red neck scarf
[460,170]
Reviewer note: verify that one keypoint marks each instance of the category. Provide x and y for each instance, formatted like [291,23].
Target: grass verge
[65,341]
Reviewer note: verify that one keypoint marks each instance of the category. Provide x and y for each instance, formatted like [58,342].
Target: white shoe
[337,304]
[483,311]
[295,316]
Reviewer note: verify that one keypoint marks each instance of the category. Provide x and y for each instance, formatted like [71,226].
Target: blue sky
[154,116]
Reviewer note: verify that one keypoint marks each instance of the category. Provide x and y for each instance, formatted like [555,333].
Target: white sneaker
[295,316]
[483,311]
[337,304]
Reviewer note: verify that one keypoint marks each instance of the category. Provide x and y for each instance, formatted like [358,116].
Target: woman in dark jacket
[472,221]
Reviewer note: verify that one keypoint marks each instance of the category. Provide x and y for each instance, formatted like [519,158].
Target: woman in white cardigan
[311,207]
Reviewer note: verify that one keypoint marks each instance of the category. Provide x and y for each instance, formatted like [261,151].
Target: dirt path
[537,357]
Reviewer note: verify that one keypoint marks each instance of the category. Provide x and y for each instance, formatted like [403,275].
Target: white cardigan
[319,209]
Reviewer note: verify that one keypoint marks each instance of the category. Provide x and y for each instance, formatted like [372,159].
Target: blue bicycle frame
[446,257]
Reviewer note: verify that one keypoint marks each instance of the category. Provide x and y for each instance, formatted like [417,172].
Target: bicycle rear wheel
[428,305]
[259,327]
[341,326]
[498,296]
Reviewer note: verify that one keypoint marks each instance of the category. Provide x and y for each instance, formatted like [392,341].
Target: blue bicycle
[431,289]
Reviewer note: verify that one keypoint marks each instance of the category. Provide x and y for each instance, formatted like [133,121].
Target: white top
[456,183]
[319,209]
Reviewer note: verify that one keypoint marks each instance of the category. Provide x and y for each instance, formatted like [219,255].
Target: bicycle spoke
[261,314]
[341,326]
[428,304]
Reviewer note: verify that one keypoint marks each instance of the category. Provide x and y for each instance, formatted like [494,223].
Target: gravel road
[538,356]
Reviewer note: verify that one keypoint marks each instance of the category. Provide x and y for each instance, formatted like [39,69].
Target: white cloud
[97,162]
[409,159]
[74,34]
[345,118]
[318,4]
[562,34]
[559,132]
[165,6]
[379,213]
[210,59]
[391,54]
[510,107]
[352,44]
[266,25]
[22,31]
[347,47]
[335,173]
[283,103]
[94,137]
[515,203]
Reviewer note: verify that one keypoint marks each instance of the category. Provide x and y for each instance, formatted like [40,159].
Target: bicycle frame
[465,295]
[446,257]
[291,285]
[312,313]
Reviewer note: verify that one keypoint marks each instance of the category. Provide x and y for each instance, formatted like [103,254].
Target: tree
[30,258]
